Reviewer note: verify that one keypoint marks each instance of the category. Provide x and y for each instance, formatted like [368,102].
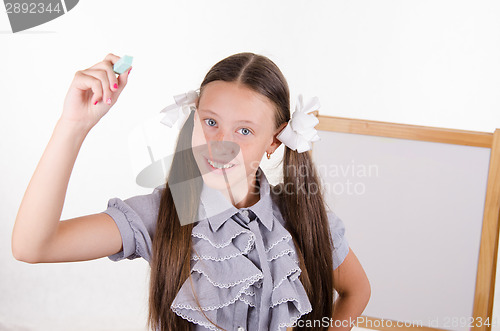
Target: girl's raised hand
[93,92]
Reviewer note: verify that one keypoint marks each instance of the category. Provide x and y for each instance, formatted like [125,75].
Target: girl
[227,250]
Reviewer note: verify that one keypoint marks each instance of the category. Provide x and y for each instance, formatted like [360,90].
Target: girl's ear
[278,131]
[276,142]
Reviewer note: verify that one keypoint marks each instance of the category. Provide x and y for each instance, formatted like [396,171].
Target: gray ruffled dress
[246,277]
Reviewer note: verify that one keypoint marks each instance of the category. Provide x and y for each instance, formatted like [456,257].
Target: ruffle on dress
[135,236]
[224,276]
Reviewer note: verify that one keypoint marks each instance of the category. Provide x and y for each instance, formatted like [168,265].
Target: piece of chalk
[123,64]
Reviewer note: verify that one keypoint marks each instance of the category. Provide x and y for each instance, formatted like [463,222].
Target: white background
[432,63]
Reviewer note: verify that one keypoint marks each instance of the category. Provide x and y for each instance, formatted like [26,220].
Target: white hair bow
[300,132]
[177,113]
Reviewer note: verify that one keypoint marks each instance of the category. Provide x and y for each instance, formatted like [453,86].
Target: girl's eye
[209,119]
[245,133]
[246,130]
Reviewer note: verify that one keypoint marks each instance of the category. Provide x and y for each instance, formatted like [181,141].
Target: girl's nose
[222,146]
[219,136]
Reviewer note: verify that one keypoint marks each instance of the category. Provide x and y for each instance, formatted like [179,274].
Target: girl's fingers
[112,58]
[115,84]
[85,82]
[102,76]
[113,81]
[122,80]
[108,67]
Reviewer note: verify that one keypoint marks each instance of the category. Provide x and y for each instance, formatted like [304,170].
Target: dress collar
[217,208]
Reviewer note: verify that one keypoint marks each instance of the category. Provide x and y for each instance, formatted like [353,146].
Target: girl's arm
[40,210]
[37,231]
[354,290]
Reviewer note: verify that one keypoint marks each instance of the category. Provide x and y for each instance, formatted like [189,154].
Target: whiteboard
[413,212]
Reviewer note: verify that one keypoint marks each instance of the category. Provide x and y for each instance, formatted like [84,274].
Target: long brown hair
[299,197]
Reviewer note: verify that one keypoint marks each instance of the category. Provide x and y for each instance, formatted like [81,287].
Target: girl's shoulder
[147,206]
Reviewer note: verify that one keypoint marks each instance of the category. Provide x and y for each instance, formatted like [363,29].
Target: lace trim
[288,236]
[280,254]
[192,320]
[220,285]
[286,276]
[287,300]
[224,244]
[251,293]
[208,257]
[247,249]
[293,319]
[247,302]
[238,296]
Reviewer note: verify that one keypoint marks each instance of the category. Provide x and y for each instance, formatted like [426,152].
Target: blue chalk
[123,64]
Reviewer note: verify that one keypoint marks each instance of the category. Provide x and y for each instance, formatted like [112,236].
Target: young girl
[227,250]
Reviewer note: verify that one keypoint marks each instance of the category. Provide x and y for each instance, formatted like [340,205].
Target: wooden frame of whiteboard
[486,270]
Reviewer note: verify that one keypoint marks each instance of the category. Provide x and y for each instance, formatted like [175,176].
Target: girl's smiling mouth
[217,166]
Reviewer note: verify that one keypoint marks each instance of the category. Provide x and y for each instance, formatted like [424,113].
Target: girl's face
[233,126]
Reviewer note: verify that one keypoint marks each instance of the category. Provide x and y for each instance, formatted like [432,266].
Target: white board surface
[413,213]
